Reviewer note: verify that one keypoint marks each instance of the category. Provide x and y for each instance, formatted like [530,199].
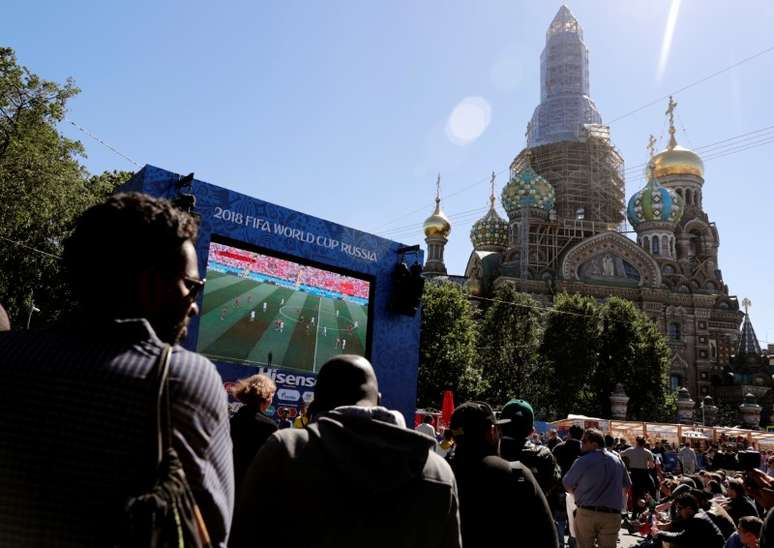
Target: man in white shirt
[426,427]
[687,458]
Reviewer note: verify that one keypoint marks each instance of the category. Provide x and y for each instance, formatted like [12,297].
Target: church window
[688,196]
[672,245]
[665,245]
[655,246]
[674,382]
[674,331]
[713,344]
[695,244]
[646,243]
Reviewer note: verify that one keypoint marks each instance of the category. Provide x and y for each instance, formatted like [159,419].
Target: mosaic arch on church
[611,258]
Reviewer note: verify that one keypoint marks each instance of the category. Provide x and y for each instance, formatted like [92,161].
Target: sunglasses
[194,286]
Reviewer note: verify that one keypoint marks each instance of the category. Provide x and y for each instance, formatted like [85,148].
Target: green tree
[44,187]
[509,336]
[448,354]
[570,348]
[634,353]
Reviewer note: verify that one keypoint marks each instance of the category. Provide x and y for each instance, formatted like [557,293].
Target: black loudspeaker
[407,287]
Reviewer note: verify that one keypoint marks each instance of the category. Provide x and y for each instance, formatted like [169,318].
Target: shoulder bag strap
[163,414]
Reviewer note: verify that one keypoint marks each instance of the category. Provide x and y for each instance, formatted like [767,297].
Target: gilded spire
[675,159]
[651,153]
[437,223]
[491,190]
[670,111]
[651,146]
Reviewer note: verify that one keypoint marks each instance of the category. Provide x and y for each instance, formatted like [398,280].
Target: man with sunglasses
[78,401]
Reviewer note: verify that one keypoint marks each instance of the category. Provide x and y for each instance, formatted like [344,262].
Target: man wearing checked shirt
[598,479]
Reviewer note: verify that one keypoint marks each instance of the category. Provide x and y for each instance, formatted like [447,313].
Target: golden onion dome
[677,160]
[437,224]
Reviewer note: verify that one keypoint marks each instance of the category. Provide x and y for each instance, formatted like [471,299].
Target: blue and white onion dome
[489,231]
[527,189]
[654,203]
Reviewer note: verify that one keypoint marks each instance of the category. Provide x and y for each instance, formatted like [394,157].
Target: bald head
[346,379]
[5,322]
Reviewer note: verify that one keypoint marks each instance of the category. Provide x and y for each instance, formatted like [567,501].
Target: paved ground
[626,540]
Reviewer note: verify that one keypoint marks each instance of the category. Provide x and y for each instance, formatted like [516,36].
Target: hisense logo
[287,379]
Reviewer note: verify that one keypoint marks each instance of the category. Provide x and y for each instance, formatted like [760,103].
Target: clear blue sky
[340,109]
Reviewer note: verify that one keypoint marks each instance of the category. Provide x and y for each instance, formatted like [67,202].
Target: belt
[604,509]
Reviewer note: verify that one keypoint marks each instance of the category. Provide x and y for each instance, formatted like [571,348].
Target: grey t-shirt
[639,458]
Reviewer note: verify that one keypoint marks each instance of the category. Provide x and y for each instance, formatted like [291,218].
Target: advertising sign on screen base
[286,291]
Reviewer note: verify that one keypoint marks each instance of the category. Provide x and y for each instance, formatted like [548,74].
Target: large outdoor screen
[261,308]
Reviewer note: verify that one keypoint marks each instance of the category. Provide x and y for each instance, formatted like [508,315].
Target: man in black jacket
[366,478]
[515,446]
[566,453]
[493,490]
[697,529]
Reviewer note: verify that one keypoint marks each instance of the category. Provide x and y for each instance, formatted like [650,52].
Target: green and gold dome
[527,189]
[654,204]
[490,233]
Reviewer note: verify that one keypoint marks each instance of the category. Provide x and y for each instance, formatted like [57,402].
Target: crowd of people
[721,504]
[288,270]
[83,406]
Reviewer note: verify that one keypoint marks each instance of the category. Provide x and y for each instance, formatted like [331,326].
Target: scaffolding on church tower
[587,176]
[588,180]
[570,147]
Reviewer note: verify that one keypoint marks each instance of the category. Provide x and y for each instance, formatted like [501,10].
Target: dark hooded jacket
[352,479]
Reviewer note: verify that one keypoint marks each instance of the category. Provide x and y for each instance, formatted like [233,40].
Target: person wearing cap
[494,492]
[515,445]
[598,479]
[369,480]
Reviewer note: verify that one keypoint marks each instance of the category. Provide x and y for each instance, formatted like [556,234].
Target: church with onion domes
[565,230]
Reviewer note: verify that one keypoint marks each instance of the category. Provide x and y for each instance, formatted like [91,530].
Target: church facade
[564,226]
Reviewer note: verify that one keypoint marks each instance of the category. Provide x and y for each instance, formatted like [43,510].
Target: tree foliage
[43,188]
[447,346]
[510,334]
[570,347]
[634,353]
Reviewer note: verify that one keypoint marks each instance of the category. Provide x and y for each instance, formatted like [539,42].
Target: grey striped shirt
[77,436]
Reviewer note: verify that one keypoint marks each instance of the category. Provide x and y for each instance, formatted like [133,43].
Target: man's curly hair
[254,390]
[114,241]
